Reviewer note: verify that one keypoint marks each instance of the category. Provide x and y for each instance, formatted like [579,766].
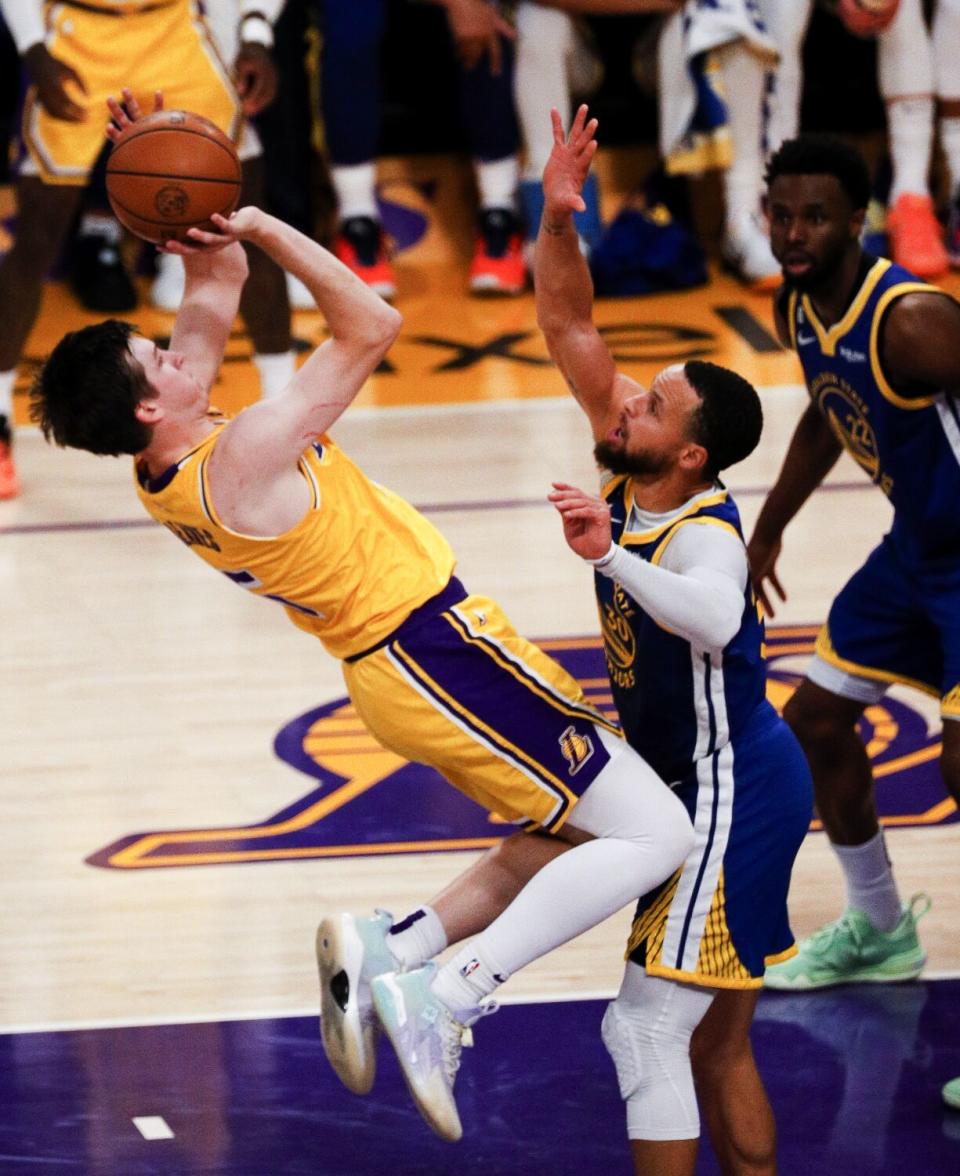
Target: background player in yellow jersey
[73,55]
[439,675]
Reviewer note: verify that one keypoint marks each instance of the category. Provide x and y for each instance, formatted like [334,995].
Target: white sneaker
[427,1037]
[746,251]
[166,293]
[299,296]
[350,952]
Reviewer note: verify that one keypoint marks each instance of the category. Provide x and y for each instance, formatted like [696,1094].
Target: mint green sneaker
[951,1093]
[350,952]
[427,1037]
[851,951]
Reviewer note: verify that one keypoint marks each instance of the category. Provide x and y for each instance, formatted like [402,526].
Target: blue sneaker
[350,952]
[427,1037]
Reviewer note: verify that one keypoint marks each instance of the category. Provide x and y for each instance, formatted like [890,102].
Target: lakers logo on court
[364,800]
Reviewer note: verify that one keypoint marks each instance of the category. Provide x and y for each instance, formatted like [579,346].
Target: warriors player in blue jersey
[683,641]
[438,674]
[880,353]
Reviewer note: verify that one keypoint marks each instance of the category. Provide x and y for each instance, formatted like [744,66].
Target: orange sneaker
[916,237]
[361,245]
[498,266]
[9,482]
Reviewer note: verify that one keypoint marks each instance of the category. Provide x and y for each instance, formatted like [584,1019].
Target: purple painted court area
[854,1075]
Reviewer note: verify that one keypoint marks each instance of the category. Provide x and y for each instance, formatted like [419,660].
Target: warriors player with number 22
[683,639]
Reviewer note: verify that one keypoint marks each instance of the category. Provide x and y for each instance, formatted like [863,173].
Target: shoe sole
[349,1044]
[389,1002]
[804,984]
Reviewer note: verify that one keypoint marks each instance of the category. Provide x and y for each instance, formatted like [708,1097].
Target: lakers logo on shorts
[576,748]
[361,800]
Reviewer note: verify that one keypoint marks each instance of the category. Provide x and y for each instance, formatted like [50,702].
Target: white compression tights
[642,834]
[647,1032]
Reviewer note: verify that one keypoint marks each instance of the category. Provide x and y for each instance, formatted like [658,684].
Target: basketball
[169,172]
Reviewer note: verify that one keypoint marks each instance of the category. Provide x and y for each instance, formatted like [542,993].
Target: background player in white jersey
[683,636]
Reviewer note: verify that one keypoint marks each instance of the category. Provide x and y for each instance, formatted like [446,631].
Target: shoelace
[845,925]
[457,1036]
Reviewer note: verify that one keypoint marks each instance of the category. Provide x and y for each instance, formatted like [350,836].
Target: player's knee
[812,723]
[652,1061]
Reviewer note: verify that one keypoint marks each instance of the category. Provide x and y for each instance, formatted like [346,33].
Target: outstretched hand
[569,164]
[586,520]
[762,556]
[126,115]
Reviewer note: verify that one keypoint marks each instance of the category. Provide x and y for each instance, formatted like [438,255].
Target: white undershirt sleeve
[696,590]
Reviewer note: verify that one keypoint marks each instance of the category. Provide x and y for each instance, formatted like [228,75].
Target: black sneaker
[97,275]
[361,245]
[498,266]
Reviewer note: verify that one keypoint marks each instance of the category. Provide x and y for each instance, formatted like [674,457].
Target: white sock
[417,938]
[7,380]
[356,189]
[497,182]
[910,133]
[870,885]
[466,979]
[744,81]
[276,372]
[950,142]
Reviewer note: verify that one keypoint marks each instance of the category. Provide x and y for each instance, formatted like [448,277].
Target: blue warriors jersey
[678,704]
[909,446]
[350,571]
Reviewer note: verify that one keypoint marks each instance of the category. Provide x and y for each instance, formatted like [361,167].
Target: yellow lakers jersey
[351,570]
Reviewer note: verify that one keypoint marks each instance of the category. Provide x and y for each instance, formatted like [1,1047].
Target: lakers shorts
[722,918]
[457,688]
[895,622]
[163,45]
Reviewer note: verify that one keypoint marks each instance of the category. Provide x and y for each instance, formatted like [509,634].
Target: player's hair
[823,155]
[86,392]
[729,419]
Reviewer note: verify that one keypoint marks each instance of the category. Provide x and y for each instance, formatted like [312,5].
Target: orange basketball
[169,172]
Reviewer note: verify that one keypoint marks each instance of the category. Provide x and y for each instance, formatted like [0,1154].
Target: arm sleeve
[24,19]
[696,591]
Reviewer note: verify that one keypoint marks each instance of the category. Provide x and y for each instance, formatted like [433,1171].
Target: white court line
[313,1011]
[152,1127]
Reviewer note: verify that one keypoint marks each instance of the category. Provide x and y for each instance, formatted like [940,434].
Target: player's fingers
[576,130]
[586,135]
[157,100]
[557,125]
[774,580]
[504,27]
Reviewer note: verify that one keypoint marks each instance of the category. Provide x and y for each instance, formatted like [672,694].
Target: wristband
[606,559]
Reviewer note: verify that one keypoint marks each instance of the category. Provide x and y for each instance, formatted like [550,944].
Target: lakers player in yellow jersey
[438,674]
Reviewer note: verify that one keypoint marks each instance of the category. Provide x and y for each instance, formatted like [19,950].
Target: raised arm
[254,478]
[564,290]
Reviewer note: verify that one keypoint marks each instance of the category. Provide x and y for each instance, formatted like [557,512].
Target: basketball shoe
[953,231]
[350,952]
[497,266]
[852,951]
[427,1037]
[9,482]
[915,235]
[361,245]
[97,275]
[951,1093]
